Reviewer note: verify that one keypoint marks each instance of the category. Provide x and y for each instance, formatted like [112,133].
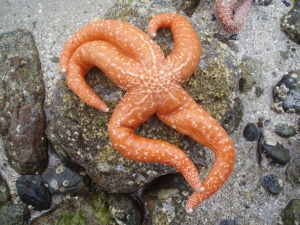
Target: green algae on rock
[92,209]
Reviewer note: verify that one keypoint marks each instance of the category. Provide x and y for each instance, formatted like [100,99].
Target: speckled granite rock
[290,23]
[22,118]
[79,132]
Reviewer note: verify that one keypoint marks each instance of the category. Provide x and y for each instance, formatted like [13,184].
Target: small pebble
[271,184]
[284,130]
[251,132]
[277,153]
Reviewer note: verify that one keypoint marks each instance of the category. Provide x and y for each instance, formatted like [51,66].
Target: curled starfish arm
[131,40]
[127,116]
[231,21]
[106,57]
[192,120]
[184,58]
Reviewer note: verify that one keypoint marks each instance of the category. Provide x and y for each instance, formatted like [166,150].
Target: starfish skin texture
[134,62]
[231,20]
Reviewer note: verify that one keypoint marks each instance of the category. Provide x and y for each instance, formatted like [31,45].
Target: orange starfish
[134,62]
[231,21]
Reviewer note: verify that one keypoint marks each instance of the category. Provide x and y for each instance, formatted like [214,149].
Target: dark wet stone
[291,213]
[251,132]
[258,91]
[79,132]
[4,191]
[62,179]
[228,222]
[166,198]
[32,191]
[22,118]
[285,130]
[277,153]
[87,210]
[14,214]
[124,210]
[251,70]
[290,23]
[286,93]
[293,169]
[271,184]
[264,2]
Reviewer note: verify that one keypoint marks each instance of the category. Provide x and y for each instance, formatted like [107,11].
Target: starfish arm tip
[189,210]
[152,35]
[63,70]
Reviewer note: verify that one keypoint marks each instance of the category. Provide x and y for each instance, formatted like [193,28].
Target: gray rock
[166,199]
[61,180]
[14,214]
[22,118]
[290,23]
[251,70]
[251,132]
[293,169]
[291,213]
[286,93]
[32,191]
[79,132]
[124,210]
[285,130]
[4,191]
[277,153]
[271,184]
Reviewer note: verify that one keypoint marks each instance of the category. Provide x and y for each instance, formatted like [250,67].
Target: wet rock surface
[285,130]
[251,132]
[290,23]
[251,70]
[22,119]
[62,179]
[166,199]
[293,169]
[91,209]
[277,153]
[291,213]
[286,93]
[79,131]
[14,214]
[32,191]
[124,210]
[271,184]
[4,191]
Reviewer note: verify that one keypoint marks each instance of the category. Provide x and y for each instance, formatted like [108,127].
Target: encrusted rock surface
[79,132]
[22,118]
[290,23]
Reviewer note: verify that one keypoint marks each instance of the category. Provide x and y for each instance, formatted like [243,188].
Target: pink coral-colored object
[231,20]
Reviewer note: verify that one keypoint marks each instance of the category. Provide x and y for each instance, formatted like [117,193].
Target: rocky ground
[266,174]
